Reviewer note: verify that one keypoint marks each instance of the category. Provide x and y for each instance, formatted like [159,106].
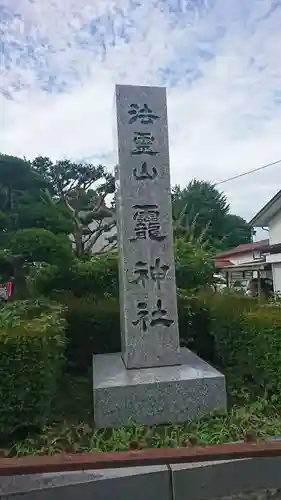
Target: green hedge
[195,326]
[226,314]
[92,328]
[241,336]
[31,359]
[98,276]
[95,328]
[248,349]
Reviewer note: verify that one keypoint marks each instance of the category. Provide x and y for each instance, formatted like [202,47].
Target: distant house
[269,217]
[243,262]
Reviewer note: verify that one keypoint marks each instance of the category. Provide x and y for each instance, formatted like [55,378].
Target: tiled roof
[247,247]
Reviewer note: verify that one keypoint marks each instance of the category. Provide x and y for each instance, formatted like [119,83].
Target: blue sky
[219,59]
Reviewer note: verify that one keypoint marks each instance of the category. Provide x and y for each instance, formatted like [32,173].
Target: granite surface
[149,319]
[241,479]
[227,479]
[254,495]
[134,483]
[155,395]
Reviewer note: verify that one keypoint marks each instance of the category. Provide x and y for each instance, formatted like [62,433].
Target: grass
[72,429]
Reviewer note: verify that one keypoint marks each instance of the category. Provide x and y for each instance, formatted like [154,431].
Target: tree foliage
[33,228]
[98,277]
[236,231]
[202,212]
[194,268]
[25,199]
[40,245]
[82,189]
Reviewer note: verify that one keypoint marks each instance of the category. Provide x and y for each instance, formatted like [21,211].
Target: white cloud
[222,123]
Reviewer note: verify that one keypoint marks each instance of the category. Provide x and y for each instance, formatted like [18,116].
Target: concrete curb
[209,480]
[132,483]
[193,481]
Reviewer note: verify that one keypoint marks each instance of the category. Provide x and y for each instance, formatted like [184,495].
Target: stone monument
[153,380]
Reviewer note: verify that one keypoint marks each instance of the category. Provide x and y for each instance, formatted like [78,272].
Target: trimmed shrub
[31,359]
[239,335]
[94,328]
[252,352]
[41,245]
[97,277]
[262,349]
[226,313]
[195,326]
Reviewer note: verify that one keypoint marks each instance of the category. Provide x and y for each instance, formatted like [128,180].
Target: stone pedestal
[152,381]
[155,395]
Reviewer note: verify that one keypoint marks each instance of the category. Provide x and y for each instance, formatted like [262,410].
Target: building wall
[275,229]
[274,234]
[235,276]
[242,258]
[276,273]
[239,276]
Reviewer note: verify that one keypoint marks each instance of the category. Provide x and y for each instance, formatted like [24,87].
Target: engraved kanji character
[143,144]
[145,115]
[144,174]
[142,315]
[147,223]
[159,316]
[141,270]
[158,273]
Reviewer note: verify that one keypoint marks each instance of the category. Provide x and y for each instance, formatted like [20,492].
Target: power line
[248,172]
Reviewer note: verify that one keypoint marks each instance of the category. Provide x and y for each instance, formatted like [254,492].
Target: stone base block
[155,395]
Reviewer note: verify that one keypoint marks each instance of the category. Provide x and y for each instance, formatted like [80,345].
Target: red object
[136,458]
[9,288]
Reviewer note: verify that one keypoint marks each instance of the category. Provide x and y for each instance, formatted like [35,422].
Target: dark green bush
[262,349]
[31,359]
[95,328]
[251,353]
[97,277]
[237,334]
[92,328]
[41,245]
[194,267]
[194,326]
[226,314]
[27,309]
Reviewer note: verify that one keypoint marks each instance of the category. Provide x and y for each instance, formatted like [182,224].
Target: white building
[269,217]
[244,262]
